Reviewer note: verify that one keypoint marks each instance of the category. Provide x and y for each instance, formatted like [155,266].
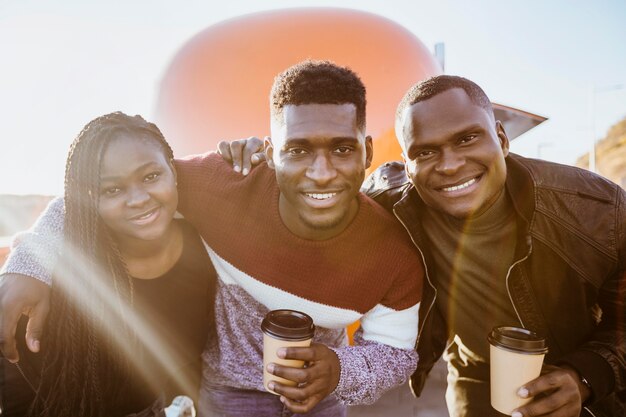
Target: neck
[151,259]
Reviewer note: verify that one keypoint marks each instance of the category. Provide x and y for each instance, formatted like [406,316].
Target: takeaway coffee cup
[516,357]
[284,328]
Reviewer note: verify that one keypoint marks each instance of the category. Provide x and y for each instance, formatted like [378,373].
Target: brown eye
[468,138]
[296,151]
[343,149]
[151,177]
[111,191]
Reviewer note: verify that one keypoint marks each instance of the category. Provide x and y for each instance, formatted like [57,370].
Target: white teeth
[323,196]
[460,186]
[145,216]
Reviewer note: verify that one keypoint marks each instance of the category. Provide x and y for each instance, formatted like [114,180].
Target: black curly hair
[318,82]
[436,85]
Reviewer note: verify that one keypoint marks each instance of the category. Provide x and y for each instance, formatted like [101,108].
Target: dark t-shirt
[179,310]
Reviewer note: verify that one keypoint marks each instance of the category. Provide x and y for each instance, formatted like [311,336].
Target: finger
[35,326]
[247,151]
[543,384]
[300,407]
[223,148]
[307,354]
[7,337]
[298,394]
[543,409]
[560,393]
[299,375]
[236,151]
[257,158]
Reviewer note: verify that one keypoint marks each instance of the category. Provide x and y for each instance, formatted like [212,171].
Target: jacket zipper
[508,274]
[419,331]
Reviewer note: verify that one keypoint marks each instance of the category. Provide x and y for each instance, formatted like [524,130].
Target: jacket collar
[519,184]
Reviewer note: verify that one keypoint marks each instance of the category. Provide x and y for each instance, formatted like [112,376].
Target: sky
[62,63]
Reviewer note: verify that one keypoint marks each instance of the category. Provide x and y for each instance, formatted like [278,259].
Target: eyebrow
[140,168]
[460,132]
[334,140]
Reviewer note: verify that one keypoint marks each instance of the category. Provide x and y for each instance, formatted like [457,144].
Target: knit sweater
[370,272]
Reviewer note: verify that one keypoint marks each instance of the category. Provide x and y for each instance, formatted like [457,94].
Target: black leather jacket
[568,281]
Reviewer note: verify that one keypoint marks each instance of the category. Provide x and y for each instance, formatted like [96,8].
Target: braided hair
[93,292]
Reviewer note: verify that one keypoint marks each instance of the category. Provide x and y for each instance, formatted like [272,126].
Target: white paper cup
[516,357]
[284,328]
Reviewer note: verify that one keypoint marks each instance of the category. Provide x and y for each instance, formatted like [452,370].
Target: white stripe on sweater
[391,327]
[380,324]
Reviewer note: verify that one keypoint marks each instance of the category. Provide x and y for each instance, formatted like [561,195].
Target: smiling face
[454,153]
[138,196]
[320,156]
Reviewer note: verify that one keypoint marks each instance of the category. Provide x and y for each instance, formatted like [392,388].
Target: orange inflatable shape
[217,86]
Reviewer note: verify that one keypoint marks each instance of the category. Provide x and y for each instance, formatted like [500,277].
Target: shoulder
[579,213]
[553,177]
[210,171]
[386,184]
[386,233]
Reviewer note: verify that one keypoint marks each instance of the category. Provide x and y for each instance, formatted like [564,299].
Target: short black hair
[318,82]
[436,85]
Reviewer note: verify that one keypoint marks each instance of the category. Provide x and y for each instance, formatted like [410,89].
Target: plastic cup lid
[288,325]
[518,340]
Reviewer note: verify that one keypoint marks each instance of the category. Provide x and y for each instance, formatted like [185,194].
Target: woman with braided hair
[131,305]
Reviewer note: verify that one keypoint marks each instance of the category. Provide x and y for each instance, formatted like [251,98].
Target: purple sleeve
[368,369]
[36,251]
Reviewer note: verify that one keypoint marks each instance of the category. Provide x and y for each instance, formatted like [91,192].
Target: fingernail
[516,414]
[281,353]
[36,345]
[271,385]
[236,168]
[255,158]
[270,368]
[282,399]
[245,171]
[522,392]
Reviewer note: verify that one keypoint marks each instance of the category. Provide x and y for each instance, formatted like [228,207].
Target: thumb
[35,326]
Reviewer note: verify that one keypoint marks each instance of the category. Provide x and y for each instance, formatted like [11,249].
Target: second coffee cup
[284,328]
[516,357]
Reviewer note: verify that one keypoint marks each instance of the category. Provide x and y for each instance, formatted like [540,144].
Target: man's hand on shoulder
[558,393]
[21,294]
[243,154]
[315,382]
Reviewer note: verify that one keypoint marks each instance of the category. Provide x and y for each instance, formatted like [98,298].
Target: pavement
[399,402]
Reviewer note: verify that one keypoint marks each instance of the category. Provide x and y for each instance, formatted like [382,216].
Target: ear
[369,151]
[504,140]
[268,148]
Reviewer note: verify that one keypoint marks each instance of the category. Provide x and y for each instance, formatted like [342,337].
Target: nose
[137,196]
[449,162]
[321,170]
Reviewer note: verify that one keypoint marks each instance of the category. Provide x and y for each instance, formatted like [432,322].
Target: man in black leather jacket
[508,240]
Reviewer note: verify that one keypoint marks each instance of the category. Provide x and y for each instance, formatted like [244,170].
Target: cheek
[108,212]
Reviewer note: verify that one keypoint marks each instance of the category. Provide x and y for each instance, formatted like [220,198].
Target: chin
[324,223]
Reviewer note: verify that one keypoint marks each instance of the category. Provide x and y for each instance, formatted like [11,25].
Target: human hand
[562,394]
[21,294]
[243,154]
[315,382]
